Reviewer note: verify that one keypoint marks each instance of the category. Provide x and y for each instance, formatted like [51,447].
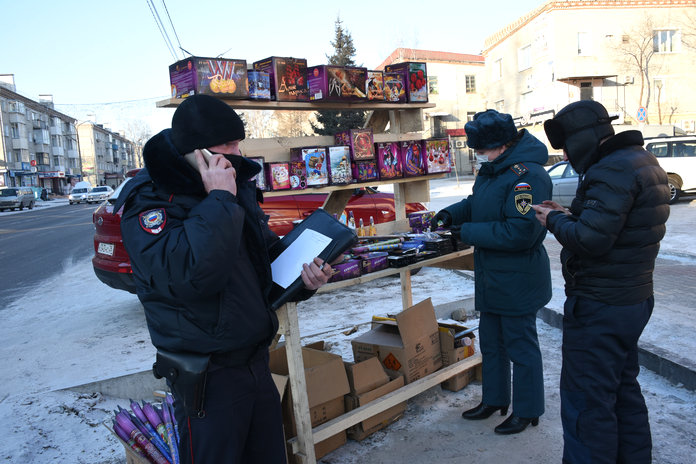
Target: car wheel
[21,207]
[674,189]
[31,205]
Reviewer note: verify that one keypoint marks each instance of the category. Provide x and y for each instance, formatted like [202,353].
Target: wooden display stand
[405,123]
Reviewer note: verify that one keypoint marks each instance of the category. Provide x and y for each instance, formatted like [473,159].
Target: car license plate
[106,249]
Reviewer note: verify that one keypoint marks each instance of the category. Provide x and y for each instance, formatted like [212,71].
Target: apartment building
[633,56]
[38,145]
[106,155]
[455,84]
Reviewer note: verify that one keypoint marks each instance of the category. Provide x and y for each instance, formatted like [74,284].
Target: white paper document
[288,266]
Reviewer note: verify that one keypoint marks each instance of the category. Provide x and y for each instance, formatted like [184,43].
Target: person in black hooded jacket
[198,245]
[610,239]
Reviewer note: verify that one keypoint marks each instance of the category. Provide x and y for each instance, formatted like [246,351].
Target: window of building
[42,158]
[14,130]
[56,160]
[666,41]
[55,141]
[586,91]
[524,58]
[17,155]
[432,85]
[500,106]
[498,69]
[584,43]
[470,116]
[470,84]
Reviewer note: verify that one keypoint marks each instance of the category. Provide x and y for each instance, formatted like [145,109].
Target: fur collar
[620,140]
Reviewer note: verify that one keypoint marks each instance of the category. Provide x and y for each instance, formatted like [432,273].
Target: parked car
[565,183]
[99,193]
[16,198]
[112,265]
[677,156]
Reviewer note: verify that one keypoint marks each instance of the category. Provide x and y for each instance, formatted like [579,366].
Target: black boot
[515,424]
[482,411]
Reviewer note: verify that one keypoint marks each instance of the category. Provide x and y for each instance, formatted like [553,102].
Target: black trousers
[603,411]
[243,419]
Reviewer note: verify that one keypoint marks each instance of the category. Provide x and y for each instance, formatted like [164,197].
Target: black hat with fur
[202,121]
[489,129]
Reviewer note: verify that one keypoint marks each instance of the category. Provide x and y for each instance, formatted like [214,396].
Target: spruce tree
[332,121]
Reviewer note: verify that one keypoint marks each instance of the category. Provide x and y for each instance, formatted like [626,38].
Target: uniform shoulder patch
[153,221]
[519,169]
[522,186]
[523,202]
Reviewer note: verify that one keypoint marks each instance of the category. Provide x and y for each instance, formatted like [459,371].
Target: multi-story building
[630,55]
[455,84]
[106,155]
[38,145]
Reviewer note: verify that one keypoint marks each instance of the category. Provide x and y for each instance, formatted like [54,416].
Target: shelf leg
[406,297]
[287,316]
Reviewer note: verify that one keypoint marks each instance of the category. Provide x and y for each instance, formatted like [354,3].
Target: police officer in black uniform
[610,240]
[197,241]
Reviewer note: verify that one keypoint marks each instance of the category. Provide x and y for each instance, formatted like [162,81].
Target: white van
[677,156]
[79,192]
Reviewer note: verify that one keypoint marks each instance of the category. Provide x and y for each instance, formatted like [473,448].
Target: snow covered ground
[85,332]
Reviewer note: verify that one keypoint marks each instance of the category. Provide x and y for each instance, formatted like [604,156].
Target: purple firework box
[288,77]
[389,160]
[365,171]
[420,220]
[220,77]
[437,156]
[260,178]
[278,176]
[346,270]
[340,171]
[315,164]
[374,261]
[259,85]
[394,87]
[298,175]
[360,141]
[336,83]
[416,77]
[412,157]
[374,85]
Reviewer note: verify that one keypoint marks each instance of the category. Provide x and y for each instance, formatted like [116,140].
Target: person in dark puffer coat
[198,245]
[610,236]
[512,272]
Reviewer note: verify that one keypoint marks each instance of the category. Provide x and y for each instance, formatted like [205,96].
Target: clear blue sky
[92,55]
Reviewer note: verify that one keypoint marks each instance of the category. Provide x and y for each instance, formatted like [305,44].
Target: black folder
[342,238]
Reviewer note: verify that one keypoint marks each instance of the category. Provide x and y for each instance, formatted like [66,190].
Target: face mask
[481,158]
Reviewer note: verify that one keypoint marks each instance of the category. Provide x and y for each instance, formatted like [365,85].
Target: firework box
[339,165]
[365,171]
[389,161]
[368,381]
[277,176]
[349,269]
[411,152]
[259,178]
[336,83]
[394,87]
[373,261]
[436,156]
[360,141]
[298,175]
[259,85]
[315,163]
[409,343]
[416,77]
[220,77]
[288,77]
[326,382]
[454,350]
[374,85]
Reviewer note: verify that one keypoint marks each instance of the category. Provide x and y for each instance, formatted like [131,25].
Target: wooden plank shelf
[333,188]
[305,106]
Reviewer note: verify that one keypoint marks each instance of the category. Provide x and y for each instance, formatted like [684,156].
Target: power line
[172,24]
[160,26]
[164,97]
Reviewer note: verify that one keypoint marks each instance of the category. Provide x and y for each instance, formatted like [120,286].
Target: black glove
[441,219]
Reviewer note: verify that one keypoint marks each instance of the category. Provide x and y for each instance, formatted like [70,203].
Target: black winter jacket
[200,261]
[611,239]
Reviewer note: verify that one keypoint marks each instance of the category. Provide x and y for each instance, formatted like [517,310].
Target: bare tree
[293,123]
[637,51]
[259,124]
[138,132]
[687,25]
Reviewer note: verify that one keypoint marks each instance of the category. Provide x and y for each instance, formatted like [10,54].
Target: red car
[112,265]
